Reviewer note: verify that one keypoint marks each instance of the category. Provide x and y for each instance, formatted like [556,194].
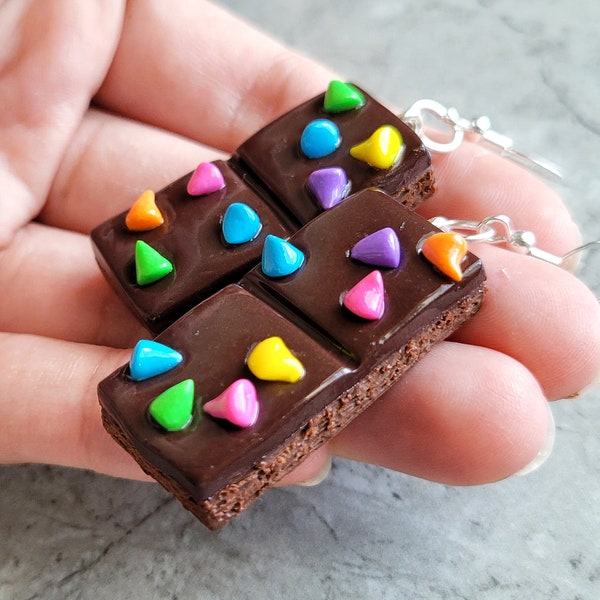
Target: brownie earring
[449,121]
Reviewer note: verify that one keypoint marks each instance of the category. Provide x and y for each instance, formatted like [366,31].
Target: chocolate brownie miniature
[306,285]
[240,390]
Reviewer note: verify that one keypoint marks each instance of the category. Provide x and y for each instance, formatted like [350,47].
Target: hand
[101,103]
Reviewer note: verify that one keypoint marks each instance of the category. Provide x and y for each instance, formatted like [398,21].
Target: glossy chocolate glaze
[190,238]
[269,173]
[314,293]
[337,349]
[275,150]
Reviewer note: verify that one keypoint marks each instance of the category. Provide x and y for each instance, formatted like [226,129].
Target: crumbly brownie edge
[218,510]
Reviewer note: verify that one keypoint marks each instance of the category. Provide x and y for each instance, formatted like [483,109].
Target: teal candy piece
[150,358]
[320,138]
[240,224]
[280,258]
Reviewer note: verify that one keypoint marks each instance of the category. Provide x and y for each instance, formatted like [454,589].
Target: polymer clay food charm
[286,290]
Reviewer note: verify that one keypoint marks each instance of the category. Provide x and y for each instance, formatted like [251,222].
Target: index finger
[217,81]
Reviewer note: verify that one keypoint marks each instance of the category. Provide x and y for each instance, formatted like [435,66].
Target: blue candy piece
[149,359]
[280,258]
[240,224]
[320,138]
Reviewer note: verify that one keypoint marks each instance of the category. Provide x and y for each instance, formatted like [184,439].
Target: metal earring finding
[478,130]
[500,230]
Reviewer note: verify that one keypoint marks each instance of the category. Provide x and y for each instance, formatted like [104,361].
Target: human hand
[163,98]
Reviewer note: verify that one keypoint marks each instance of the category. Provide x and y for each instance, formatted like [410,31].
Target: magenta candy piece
[367,298]
[329,186]
[206,179]
[381,248]
[238,404]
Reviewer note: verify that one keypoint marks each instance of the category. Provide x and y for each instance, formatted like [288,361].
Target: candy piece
[240,224]
[150,358]
[341,96]
[445,250]
[381,248]
[320,138]
[272,360]
[367,298]
[238,404]
[172,409]
[280,258]
[382,149]
[150,265]
[144,215]
[206,179]
[329,186]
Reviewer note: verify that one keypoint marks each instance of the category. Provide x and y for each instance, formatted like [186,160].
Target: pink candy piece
[367,298]
[206,179]
[238,404]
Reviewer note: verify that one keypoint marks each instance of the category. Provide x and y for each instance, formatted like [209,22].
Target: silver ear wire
[499,230]
[478,130]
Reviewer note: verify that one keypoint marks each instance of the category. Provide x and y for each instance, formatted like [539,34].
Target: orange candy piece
[144,214]
[445,250]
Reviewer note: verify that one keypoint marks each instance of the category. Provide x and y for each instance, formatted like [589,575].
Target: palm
[163,98]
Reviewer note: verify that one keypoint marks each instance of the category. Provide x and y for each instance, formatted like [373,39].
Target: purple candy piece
[329,186]
[381,248]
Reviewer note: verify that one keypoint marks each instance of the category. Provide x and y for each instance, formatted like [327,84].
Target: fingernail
[546,450]
[590,387]
[319,477]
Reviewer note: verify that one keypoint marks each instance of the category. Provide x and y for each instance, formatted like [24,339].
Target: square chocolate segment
[315,291]
[274,157]
[191,240]
[215,339]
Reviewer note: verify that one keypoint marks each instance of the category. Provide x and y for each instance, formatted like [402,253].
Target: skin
[102,100]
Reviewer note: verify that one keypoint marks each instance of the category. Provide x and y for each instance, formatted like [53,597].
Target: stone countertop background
[367,532]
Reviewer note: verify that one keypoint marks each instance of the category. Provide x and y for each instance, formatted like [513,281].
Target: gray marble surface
[367,532]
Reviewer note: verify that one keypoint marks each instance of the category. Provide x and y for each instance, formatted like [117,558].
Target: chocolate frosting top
[336,348]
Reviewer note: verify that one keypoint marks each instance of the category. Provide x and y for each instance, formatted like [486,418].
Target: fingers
[109,163]
[54,56]
[217,80]
[540,315]
[463,415]
[445,421]
[473,183]
[56,290]
[49,398]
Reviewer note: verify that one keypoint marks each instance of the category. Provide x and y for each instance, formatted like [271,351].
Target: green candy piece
[172,409]
[341,96]
[150,265]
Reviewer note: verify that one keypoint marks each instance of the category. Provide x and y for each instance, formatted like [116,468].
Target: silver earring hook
[478,130]
[499,230]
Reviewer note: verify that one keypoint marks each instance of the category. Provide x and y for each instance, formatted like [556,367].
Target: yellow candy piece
[272,360]
[144,214]
[382,150]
